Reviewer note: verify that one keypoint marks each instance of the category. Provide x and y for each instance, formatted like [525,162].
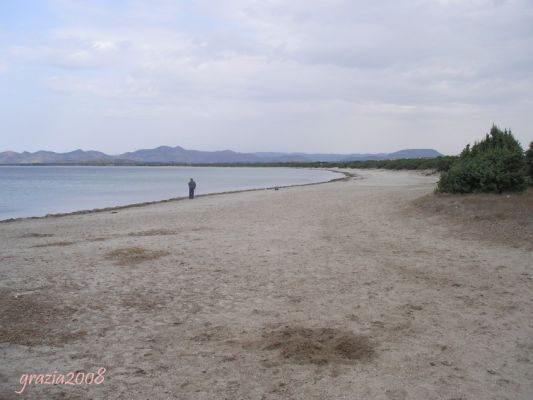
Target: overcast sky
[345,76]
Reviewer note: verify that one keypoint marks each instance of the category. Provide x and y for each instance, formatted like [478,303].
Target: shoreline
[347,175]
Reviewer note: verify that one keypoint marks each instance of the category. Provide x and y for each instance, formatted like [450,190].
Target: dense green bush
[529,162]
[496,164]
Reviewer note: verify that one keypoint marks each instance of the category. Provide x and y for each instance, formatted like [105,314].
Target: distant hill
[49,157]
[166,154]
[325,157]
[179,154]
[407,153]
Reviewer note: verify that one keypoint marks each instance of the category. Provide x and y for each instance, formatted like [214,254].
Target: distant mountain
[407,153]
[166,154]
[179,154]
[49,157]
[325,157]
[413,153]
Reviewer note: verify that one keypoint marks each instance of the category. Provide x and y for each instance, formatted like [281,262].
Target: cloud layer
[342,76]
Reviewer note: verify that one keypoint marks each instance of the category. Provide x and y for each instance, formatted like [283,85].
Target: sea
[33,191]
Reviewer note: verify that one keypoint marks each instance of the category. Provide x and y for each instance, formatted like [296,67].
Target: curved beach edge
[347,176]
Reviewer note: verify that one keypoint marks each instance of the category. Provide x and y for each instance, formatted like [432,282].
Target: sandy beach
[334,291]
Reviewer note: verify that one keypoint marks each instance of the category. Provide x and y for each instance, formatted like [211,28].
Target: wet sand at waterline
[331,291]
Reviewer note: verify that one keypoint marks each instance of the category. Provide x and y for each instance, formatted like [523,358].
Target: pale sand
[333,291]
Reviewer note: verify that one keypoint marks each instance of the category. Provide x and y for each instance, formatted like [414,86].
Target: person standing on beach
[192,186]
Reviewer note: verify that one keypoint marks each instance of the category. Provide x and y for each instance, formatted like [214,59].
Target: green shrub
[529,163]
[496,164]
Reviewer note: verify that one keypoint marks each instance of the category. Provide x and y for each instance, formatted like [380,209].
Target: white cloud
[103,46]
[361,69]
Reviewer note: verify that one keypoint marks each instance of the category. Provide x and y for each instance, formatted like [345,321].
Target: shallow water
[36,191]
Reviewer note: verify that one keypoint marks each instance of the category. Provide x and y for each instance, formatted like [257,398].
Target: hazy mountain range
[166,154]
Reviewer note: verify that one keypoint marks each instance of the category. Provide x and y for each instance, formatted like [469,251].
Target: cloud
[304,68]
[71,54]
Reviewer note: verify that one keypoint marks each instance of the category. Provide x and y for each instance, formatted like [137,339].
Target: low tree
[529,162]
[495,164]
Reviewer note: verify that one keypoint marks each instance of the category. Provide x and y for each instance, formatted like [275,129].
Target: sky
[343,76]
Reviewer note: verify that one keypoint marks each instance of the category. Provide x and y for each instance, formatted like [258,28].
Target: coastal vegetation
[529,162]
[496,164]
[441,163]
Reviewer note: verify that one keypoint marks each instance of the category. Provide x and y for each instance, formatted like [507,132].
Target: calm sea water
[37,191]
